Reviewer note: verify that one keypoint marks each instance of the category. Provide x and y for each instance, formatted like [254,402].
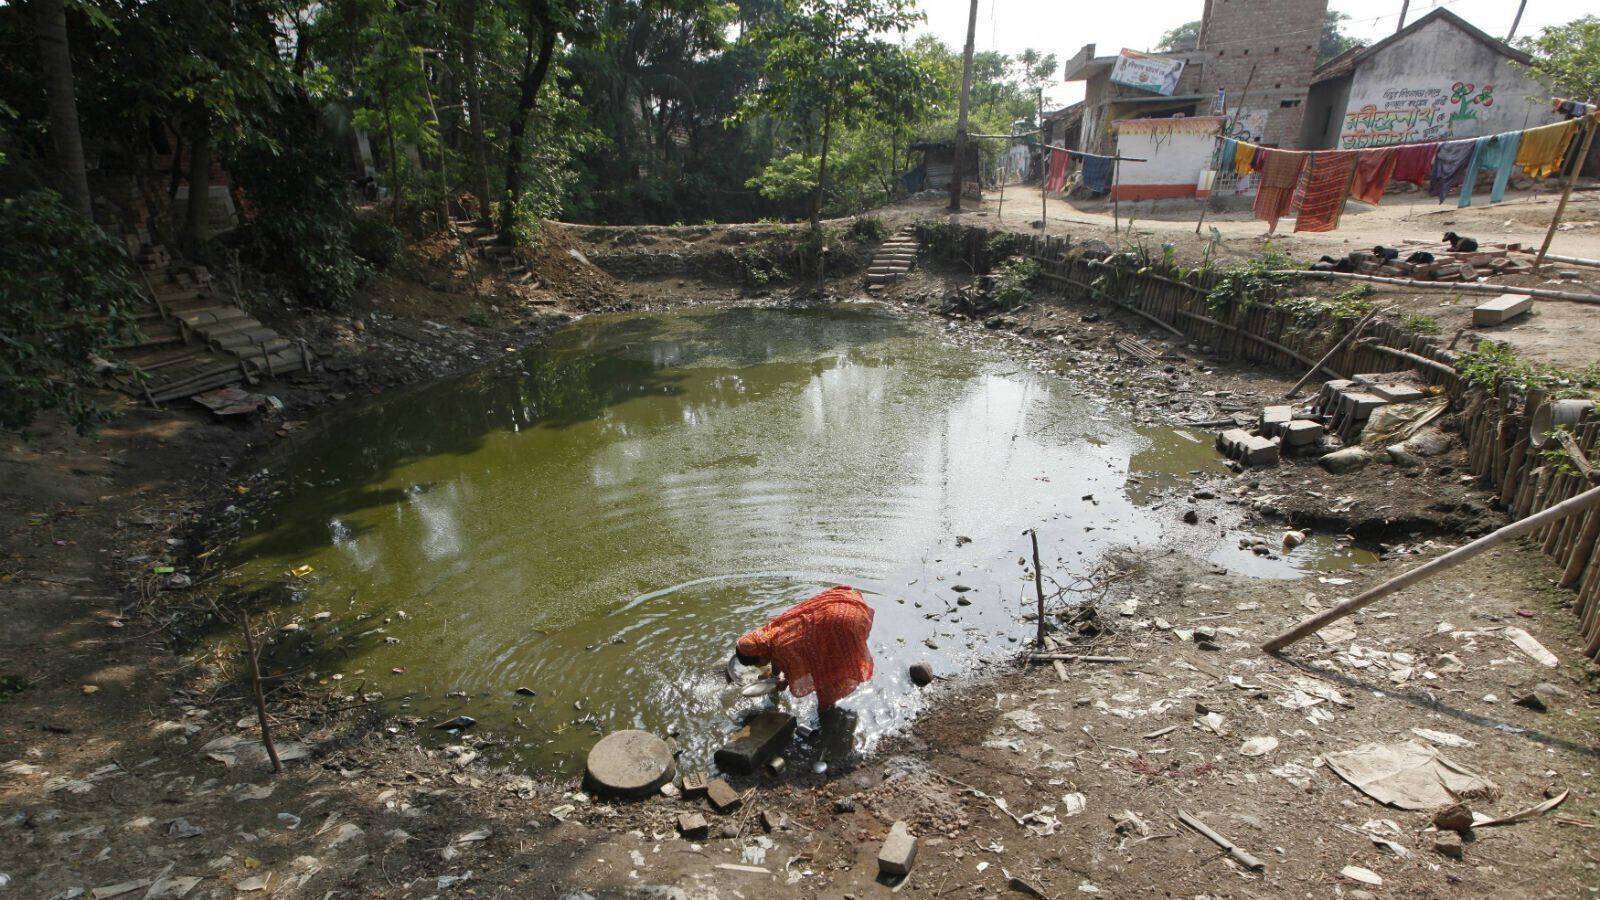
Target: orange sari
[820,645]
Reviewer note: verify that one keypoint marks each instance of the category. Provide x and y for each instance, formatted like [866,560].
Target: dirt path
[149,785]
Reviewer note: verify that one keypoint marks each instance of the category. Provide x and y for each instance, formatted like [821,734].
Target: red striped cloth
[1324,188]
[819,645]
[1280,172]
[1374,169]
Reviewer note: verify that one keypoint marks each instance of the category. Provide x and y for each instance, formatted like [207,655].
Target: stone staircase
[894,259]
[191,341]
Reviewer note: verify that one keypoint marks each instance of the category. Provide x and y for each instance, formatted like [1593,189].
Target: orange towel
[1280,173]
[1543,148]
[1374,168]
[819,645]
[1242,155]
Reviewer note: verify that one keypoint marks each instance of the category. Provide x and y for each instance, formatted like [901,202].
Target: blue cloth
[1498,154]
[1225,154]
[1097,172]
[1450,167]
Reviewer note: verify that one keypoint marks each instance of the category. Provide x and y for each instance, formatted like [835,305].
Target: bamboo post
[1584,501]
[1044,169]
[1352,335]
[1566,193]
[1038,583]
[261,699]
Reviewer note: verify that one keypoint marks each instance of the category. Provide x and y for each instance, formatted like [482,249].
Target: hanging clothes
[1280,173]
[1097,172]
[1374,169]
[1058,170]
[1323,189]
[1544,148]
[1496,153]
[1225,154]
[1243,155]
[1450,167]
[1414,162]
[1258,158]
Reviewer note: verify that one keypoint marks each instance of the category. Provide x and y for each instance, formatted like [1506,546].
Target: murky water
[600,527]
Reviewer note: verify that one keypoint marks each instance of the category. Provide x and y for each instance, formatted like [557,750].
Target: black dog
[1460,244]
[1421,256]
[1387,254]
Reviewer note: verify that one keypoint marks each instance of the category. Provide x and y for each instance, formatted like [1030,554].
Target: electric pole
[1404,7]
[1517,21]
[961,122]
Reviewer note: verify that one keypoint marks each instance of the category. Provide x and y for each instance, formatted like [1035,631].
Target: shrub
[377,242]
[66,295]
[1419,323]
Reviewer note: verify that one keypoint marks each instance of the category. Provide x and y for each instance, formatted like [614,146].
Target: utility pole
[1404,6]
[961,122]
[1516,21]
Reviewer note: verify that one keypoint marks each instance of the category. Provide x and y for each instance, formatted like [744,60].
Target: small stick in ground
[1038,583]
[1239,856]
[261,700]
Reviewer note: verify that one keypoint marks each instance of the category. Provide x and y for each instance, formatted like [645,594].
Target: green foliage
[1334,40]
[1490,364]
[12,685]
[1182,39]
[478,317]
[1254,282]
[868,228]
[378,243]
[65,296]
[1567,57]
[1012,279]
[1419,323]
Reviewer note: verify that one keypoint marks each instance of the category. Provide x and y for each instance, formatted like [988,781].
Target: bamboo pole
[1446,285]
[1353,333]
[1581,503]
[1038,583]
[261,700]
[1566,194]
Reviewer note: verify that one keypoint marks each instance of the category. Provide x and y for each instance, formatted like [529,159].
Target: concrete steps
[894,259]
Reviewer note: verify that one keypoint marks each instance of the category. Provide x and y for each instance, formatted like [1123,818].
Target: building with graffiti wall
[1437,78]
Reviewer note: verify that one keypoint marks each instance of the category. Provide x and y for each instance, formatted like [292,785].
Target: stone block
[722,796]
[1258,451]
[1273,418]
[629,764]
[1302,433]
[1357,406]
[1230,439]
[1397,393]
[898,853]
[1501,309]
[693,826]
[759,740]
[694,784]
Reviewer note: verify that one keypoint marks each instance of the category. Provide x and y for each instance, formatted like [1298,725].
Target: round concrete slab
[630,764]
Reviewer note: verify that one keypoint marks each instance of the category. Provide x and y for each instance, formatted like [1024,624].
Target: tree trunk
[197,216]
[55,58]
[534,69]
[479,138]
[822,168]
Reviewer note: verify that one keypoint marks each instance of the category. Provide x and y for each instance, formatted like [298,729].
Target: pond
[599,526]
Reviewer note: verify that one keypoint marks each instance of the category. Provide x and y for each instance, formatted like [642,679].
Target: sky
[1063,27]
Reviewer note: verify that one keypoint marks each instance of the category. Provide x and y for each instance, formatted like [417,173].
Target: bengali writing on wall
[1403,115]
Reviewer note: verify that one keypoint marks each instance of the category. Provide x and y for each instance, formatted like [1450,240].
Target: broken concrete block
[1229,439]
[1273,418]
[899,851]
[1302,432]
[1396,393]
[759,740]
[722,796]
[693,826]
[1350,459]
[1533,701]
[772,821]
[1258,451]
[1501,309]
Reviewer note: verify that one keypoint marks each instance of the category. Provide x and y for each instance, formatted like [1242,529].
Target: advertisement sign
[1156,74]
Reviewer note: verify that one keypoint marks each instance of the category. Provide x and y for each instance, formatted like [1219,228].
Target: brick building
[1259,53]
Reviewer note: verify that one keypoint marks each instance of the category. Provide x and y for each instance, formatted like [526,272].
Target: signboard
[1156,74]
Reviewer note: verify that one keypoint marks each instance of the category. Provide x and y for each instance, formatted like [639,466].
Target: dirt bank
[142,784]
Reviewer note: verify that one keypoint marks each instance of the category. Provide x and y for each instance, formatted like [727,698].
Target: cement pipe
[1542,293]
[1572,260]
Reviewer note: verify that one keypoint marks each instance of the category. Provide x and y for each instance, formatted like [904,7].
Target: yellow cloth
[1543,148]
[1241,158]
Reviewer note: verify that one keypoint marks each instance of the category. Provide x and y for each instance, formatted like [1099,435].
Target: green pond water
[600,526]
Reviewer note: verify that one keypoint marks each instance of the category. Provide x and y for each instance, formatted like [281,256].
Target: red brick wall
[1279,39]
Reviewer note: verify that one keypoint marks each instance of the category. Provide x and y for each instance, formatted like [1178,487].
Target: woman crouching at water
[817,646]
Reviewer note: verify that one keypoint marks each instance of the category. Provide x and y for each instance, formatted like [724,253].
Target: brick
[1396,393]
[722,796]
[694,784]
[898,853]
[1501,309]
[693,826]
[759,740]
[1258,451]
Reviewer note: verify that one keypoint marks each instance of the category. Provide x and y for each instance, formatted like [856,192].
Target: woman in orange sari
[817,646]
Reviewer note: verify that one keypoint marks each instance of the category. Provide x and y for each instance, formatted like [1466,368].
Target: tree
[1334,40]
[1182,39]
[829,60]
[1567,58]
[55,58]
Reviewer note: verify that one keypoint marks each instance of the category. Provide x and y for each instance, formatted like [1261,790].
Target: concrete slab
[759,740]
[1396,393]
[1274,418]
[1302,433]
[629,764]
[898,853]
[722,796]
[1501,309]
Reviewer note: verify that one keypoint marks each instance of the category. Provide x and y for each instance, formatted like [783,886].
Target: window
[1289,104]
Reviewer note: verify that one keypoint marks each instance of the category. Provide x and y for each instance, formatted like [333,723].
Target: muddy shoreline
[376,814]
